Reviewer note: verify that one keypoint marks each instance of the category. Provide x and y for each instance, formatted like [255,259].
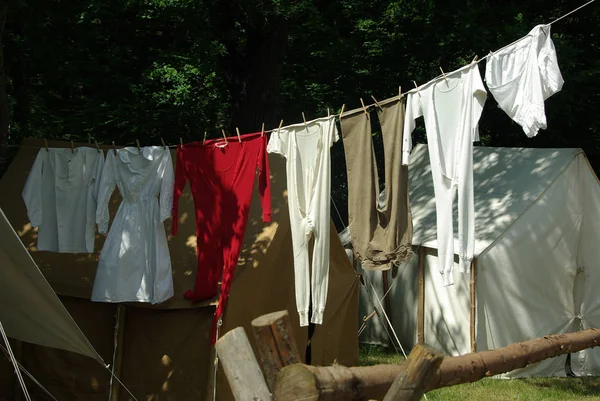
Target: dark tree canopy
[121,70]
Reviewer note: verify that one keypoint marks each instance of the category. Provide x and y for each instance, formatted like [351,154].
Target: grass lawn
[570,389]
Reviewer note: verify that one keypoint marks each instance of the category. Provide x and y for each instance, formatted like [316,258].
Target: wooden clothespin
[237,131]
[328,112]
[204,139]
[72,147]
[342,111]
[444,74]
[262,130]
[376,102]
[224,136]
[114,148]
[364,108]
[138,145]
[475,59]
[304,118]
[46,144]
[280,124]
[97,146]
[181,142]
[163,142]
[399,91]
[416,86]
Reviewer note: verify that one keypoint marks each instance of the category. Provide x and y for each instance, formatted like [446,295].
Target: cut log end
[296,380]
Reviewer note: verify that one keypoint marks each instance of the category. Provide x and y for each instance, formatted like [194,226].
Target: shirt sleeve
[479,98]
[278,143]
[552,80]
[180,180]
[335,136]
[166,187]
[32,192]
[264,180]
[105,189]
[414,110]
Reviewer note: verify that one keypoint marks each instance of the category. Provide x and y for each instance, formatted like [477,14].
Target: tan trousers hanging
[380,236]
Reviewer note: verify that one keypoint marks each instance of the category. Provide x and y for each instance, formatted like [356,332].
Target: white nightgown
[135,265]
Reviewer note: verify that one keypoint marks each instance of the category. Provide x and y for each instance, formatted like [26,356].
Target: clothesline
[365,108]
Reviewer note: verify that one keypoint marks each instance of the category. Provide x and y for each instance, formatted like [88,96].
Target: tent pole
[473,304]
[421,298]
[114,394]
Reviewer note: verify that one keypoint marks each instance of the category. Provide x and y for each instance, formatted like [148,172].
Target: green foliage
[119,70]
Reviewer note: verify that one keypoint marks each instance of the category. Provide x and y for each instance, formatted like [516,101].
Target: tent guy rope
[33,379]
[15,363]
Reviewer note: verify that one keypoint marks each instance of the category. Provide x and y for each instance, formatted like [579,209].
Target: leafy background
[146,69]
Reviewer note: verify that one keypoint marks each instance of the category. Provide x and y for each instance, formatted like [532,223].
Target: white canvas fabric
[537,225]
[30,311]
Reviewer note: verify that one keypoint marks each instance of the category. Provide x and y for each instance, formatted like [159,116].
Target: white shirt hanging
[451,108]
[60,195]
[135,265]
[522,76]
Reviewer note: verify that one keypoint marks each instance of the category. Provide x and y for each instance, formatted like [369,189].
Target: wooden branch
[418,374]
[240,367]
[276,344]
[372,382]
[421,297]
[473,301]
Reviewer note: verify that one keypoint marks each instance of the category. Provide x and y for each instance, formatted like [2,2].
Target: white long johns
[306,147]
[522,76]
[451,108]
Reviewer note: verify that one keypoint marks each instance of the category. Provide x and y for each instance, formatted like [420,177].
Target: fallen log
[303,382]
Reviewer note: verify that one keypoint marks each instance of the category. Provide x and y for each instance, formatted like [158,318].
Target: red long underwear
[221,180]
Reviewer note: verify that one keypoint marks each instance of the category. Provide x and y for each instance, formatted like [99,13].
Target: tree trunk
[253,68]
[4,117]
[372,382]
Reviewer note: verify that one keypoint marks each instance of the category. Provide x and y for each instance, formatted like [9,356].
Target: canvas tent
[537,260]
[165,349]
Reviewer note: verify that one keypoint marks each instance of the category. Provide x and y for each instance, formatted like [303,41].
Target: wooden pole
[276,344]
[419,372]
[373,382]
[118,362]
[473,316]
[421,298]
[241,368]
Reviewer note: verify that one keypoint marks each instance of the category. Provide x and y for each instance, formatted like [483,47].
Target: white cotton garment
[522,76]
[60,195]
[451,109]
[135,265]
[307,150]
